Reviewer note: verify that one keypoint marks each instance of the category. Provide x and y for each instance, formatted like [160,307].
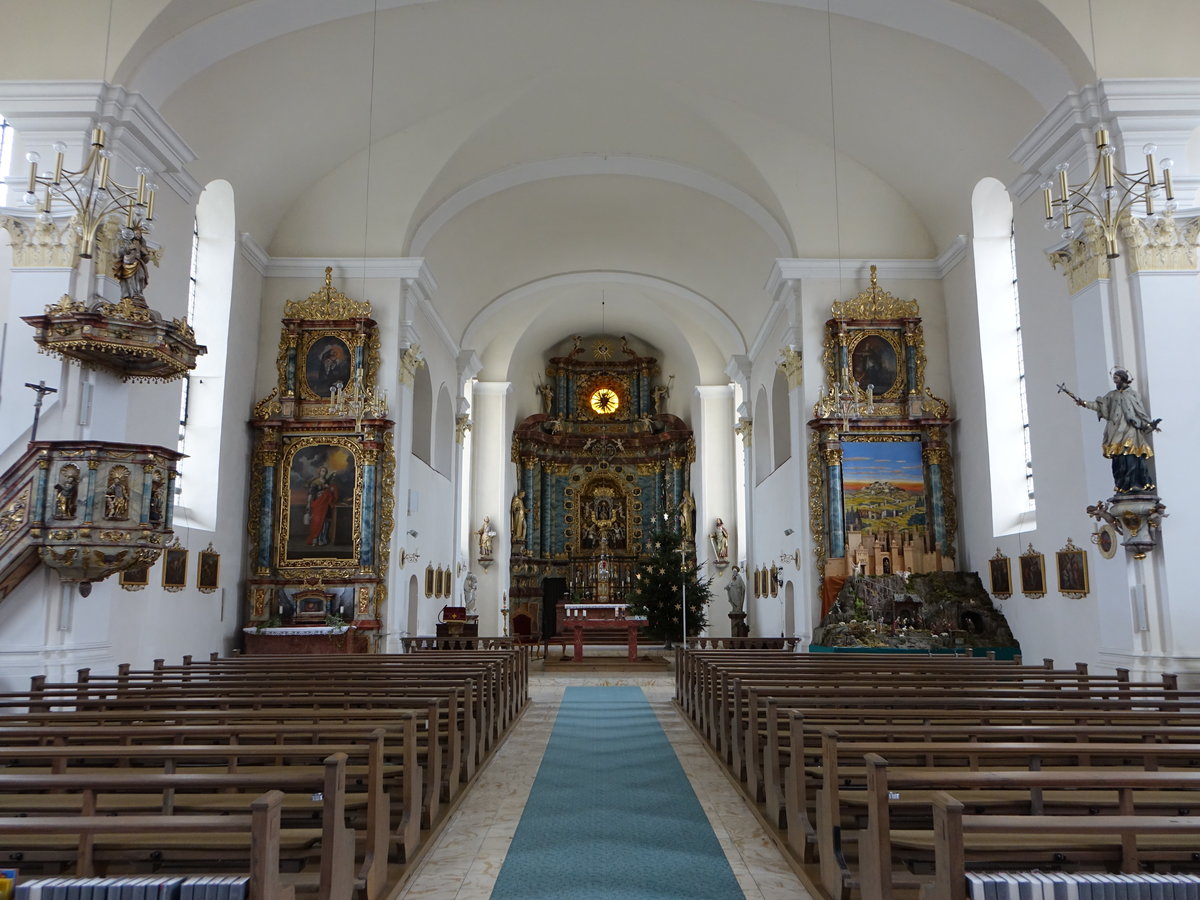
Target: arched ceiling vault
[684,142]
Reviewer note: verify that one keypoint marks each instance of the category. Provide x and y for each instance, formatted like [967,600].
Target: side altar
[883,508]
[321,490]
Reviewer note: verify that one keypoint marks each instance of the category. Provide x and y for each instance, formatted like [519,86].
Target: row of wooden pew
[890,775]
[353,760]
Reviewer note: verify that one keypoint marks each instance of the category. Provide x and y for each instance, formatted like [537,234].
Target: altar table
[631,624]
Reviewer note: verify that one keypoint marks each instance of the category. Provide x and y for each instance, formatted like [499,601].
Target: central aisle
[466,860]
[611,814]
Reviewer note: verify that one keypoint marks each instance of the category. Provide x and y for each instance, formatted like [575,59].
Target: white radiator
[1081,886]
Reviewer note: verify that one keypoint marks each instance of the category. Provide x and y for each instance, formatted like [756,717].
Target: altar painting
[320,519]
[883,486]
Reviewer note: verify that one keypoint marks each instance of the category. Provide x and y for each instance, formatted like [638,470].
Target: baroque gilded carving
[1162,244]
[875,303]
[327,302]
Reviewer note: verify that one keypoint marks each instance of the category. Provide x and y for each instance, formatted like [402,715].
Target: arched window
[781,420]
[444,434]
[203,398]
[760,438]
[1010,459]
[422,416]
[6,144]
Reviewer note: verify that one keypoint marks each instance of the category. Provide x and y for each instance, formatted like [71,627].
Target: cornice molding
[65,109]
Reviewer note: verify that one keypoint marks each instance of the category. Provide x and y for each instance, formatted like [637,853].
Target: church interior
[387,319]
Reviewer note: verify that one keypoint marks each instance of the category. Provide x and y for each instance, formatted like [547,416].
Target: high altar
[602,466]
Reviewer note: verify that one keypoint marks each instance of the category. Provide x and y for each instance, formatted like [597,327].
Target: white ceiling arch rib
[592,164]
[675,317]
[200,37]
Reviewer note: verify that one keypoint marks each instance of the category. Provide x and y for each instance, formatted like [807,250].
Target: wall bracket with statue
[881,477]
[323,475]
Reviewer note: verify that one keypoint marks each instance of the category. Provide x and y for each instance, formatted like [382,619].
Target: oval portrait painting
[326,364]
[873,364]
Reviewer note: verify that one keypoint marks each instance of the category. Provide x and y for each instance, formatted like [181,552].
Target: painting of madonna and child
[320,520]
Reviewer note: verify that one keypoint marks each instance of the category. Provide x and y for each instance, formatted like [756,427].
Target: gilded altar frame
[880,470]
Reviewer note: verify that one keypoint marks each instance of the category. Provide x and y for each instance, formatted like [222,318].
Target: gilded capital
[410,361]
[41,244]
[462,424]
[1084,259]
[745,429]
[791,364]
[1163,244]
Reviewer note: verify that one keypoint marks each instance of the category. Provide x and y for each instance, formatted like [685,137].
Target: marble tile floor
[465,860]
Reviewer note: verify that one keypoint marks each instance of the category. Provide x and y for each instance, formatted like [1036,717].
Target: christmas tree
[659,586]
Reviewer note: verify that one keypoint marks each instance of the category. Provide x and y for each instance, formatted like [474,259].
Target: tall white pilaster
[491,435]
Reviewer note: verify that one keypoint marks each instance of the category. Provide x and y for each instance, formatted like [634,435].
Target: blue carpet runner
[611,814]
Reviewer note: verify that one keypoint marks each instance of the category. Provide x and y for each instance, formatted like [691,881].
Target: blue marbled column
[289,372]
[843,365]
[89,508]
[563,385]
[527,482]
[644,395]
[543,533]
[837,521]
[366,550]
[144,516]
[264,516]
[910,365]
[659,496]
[40,484]
[937,500]
[169,512]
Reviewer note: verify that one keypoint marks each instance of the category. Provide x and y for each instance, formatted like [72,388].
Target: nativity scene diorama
[321,509]
[883,504]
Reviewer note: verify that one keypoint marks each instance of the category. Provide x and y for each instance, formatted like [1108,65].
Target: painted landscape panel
[883,486]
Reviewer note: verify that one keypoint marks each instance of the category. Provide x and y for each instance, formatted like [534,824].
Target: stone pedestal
[737,625]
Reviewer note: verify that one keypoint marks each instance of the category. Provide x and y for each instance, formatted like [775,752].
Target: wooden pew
[132,777]
[879,842]
[262,825]
[951,828]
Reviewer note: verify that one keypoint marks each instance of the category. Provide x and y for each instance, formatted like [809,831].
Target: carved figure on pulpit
[66,492]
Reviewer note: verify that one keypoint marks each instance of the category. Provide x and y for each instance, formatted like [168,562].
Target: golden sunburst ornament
[605,401]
